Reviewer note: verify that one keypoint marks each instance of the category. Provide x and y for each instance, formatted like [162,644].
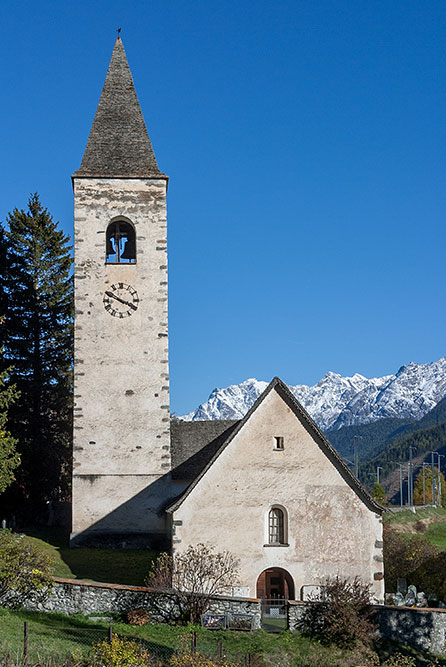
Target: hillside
[373,437]
[423,442]
[428,522]
[377,436]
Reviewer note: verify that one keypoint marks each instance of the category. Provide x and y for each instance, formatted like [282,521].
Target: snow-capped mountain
[337,401]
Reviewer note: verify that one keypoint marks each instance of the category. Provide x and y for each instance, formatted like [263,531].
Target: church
[270,488]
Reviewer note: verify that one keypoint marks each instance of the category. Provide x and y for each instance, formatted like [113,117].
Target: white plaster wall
[121,432]
[330,530]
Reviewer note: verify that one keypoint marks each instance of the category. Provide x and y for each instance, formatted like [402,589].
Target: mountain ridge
[336,401]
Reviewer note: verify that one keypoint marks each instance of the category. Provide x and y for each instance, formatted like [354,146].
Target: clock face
[121,300]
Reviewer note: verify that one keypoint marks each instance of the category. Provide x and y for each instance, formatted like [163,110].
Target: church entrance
[275,583]
[275,587]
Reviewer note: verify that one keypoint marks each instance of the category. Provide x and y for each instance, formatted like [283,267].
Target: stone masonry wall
[422,628]
[69,596]
[121,449]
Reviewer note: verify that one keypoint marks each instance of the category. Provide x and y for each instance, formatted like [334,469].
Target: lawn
[430,523]
[113,566]
[407,516]
[59,636]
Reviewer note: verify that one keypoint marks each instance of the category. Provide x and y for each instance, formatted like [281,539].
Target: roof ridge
[324,444]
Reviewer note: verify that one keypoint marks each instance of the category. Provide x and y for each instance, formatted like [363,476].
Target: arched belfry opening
[275,583]
[120,243]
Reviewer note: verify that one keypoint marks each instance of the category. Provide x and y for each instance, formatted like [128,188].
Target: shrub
[400,660]
[138,617]
[415,559]
[343,616]
[25,571]
[196,575]
[119,653]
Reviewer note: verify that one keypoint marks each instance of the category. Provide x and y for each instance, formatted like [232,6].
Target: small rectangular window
[278,442]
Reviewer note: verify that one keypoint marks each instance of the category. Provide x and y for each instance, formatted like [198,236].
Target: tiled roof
[193,444]
[119,144]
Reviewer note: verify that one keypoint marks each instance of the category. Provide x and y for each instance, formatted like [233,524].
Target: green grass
[59,636]
[436,534]
[407,516]
[436,528]
[434,518]
[113,566]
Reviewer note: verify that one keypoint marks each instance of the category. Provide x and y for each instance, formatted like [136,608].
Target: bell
[110,249]
[130,249]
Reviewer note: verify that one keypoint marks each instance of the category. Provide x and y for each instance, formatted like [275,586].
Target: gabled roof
[119,144]
[312,428]
[194,443]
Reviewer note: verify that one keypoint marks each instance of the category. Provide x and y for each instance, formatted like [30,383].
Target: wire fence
[70,645]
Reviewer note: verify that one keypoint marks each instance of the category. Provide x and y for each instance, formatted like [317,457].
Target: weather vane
[119,30]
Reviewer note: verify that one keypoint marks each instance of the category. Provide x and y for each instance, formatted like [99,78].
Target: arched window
[276,526]
[121,244]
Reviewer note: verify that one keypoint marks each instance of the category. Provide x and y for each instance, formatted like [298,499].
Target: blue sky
[305,144]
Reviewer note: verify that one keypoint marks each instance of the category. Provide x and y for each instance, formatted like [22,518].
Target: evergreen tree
[38,345]
[9,457]
[3,281]
[418,492]
[379,494]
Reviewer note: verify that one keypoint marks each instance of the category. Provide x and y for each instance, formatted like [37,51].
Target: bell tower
[121,458]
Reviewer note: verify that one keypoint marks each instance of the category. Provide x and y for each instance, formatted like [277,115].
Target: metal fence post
[110,633]
[25,642]
[219,650]
[248,659]
[194,642]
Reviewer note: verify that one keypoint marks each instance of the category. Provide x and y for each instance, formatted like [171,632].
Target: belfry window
[276,527]
[121,244]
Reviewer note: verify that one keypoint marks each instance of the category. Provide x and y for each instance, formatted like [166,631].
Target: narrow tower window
[121,244]
[275,526]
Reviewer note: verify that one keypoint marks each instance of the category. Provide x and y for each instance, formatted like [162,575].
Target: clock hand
[118,298]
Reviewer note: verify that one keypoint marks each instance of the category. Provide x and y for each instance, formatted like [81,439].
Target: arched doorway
[275,583]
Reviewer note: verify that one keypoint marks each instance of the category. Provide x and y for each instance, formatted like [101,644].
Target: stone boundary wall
[69,596]
[422,628]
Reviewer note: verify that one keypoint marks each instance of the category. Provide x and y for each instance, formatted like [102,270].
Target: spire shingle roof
[119,145]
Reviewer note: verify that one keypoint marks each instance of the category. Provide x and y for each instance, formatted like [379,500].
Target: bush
[343,616]
[119,653]
[400,660]
[414,559]
[196,575]
[138,617]
[25,571]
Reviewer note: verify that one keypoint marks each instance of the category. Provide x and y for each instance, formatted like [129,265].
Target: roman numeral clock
[121,300]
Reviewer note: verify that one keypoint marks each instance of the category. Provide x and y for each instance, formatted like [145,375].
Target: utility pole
[439,457]
[378,468]
[401,481]
[410,477]
[424,482]
[433,478]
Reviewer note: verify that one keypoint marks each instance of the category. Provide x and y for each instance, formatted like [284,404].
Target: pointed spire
[119,144]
